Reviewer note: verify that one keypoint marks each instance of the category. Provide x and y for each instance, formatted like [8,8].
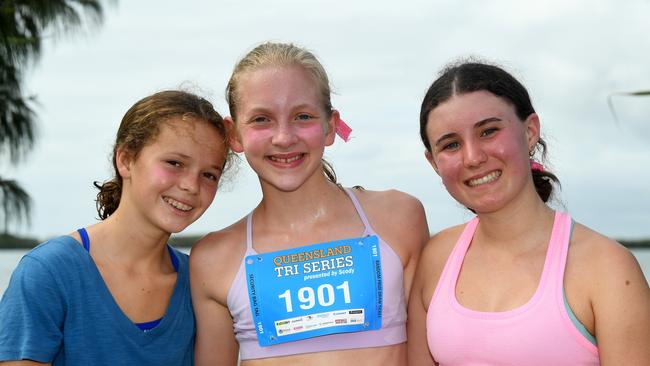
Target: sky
[381,57]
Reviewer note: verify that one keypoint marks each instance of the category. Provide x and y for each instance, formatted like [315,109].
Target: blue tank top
[146,326]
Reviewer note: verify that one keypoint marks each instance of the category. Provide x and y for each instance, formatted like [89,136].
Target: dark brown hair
[469,76]
[141,125]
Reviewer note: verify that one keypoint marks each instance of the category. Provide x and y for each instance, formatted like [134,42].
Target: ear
[429,157]
[123,161]
[330,128]
[233,135]
[531,124]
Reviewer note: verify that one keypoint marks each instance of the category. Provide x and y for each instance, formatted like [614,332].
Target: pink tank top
[539,332]
[393,330]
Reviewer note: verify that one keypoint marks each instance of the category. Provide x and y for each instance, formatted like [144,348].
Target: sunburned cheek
[162,174]
[253,135]
[311,131]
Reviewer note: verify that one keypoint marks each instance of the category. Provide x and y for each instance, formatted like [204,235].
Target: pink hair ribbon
[536,166]
[343,130]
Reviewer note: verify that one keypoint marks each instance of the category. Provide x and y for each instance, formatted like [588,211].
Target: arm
[215,341]
[31,315]
[24,363]
[400,219]
[415,234]
[621,304]
[430,267]
[418,349]
[210,281]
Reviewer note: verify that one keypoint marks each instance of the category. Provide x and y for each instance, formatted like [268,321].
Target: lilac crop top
[393,330]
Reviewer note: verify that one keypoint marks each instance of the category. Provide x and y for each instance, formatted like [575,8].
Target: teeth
[178,205]
[486,179]
[285,161]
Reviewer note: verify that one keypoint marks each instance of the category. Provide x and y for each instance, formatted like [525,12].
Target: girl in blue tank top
[115,293]
[316,273]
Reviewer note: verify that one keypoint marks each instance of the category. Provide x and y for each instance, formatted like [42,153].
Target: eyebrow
[476,125]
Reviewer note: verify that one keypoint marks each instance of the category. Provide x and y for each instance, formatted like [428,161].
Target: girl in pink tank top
[520,284]
[282,120]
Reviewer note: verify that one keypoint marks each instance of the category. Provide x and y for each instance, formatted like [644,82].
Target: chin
[175,227]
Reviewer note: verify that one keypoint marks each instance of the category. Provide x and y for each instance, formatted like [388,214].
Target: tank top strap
[558,248]
[249,231]
[84,238]
[450,272]
[362,214]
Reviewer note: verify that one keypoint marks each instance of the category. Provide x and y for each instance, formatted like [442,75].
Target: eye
[489,131]
[450,146]
[259,119]
[304,117]
[211,176]
[174,163]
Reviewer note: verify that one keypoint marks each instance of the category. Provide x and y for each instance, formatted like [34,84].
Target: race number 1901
[325,296]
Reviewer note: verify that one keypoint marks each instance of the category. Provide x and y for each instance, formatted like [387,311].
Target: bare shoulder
[225,241]
[600,252]
[392,209]
[396,216]
[390,200]
[594,256]
[434,257]
[215,259]
[439,247]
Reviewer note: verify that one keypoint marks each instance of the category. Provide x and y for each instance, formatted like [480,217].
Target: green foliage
[13,242]
[14,201]
[23,26]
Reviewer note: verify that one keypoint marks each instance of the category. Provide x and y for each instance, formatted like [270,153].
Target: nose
[284,135]
[473,155]
[189,183]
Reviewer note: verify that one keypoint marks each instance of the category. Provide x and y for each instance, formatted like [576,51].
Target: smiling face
[282,126]
[174,178]
[479,147]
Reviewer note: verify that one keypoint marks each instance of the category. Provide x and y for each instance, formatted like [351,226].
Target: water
[9,260]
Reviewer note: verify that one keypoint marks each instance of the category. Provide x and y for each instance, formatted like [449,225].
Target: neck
[125,238]
[521,222]
[302,208]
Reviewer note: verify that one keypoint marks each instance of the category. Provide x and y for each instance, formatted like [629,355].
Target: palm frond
[15,204]
[610,102]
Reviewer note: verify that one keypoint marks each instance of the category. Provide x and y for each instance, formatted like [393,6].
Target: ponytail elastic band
[536,166]
[343,130]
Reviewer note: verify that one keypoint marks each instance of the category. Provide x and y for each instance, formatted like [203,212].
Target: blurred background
[381,56]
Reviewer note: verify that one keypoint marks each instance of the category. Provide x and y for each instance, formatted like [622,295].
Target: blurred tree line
[24,24]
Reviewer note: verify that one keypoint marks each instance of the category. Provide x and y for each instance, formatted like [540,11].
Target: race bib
[320,289]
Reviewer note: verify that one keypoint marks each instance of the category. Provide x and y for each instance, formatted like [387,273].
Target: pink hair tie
[536,166]
[343,130]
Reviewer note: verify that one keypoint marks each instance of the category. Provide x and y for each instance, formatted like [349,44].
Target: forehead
[277,86]
[466,109]
[177,129]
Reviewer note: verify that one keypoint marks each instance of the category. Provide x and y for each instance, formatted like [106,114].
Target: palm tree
[23,25]
[610,101]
